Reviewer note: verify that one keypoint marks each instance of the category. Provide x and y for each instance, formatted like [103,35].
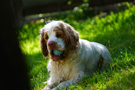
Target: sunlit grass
[27,46]
[116,31]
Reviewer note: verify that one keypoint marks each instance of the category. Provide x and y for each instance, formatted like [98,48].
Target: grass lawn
[116,31]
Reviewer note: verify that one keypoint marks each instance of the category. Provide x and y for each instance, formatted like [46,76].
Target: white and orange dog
[70,57]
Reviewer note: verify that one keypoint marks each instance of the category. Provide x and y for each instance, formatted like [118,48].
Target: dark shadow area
[13,66]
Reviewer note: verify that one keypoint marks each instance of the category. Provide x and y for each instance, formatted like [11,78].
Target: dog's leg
[69,82]
[50,84]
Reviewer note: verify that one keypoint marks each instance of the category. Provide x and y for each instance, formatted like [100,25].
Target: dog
[71,58]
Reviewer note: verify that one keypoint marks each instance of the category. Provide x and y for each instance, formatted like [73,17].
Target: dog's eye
[58,35]
[46,37]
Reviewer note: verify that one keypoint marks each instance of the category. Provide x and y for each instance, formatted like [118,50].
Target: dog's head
[57,38]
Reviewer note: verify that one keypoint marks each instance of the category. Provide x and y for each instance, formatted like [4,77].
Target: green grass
[116,31]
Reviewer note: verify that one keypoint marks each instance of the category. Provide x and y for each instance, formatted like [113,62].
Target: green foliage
[116,31]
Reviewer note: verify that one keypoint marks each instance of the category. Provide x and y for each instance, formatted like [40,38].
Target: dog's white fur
[52,35]
[82,61]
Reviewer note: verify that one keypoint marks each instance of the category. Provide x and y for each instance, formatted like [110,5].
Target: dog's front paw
[47,88]
[45,82]
[54,89]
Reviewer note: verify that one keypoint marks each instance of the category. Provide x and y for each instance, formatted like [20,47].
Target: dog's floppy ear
[71,36]
[43,43]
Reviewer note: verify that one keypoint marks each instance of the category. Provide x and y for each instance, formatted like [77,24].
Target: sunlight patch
[30,46]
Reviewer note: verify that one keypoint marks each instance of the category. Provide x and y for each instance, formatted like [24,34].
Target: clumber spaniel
[71,58]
